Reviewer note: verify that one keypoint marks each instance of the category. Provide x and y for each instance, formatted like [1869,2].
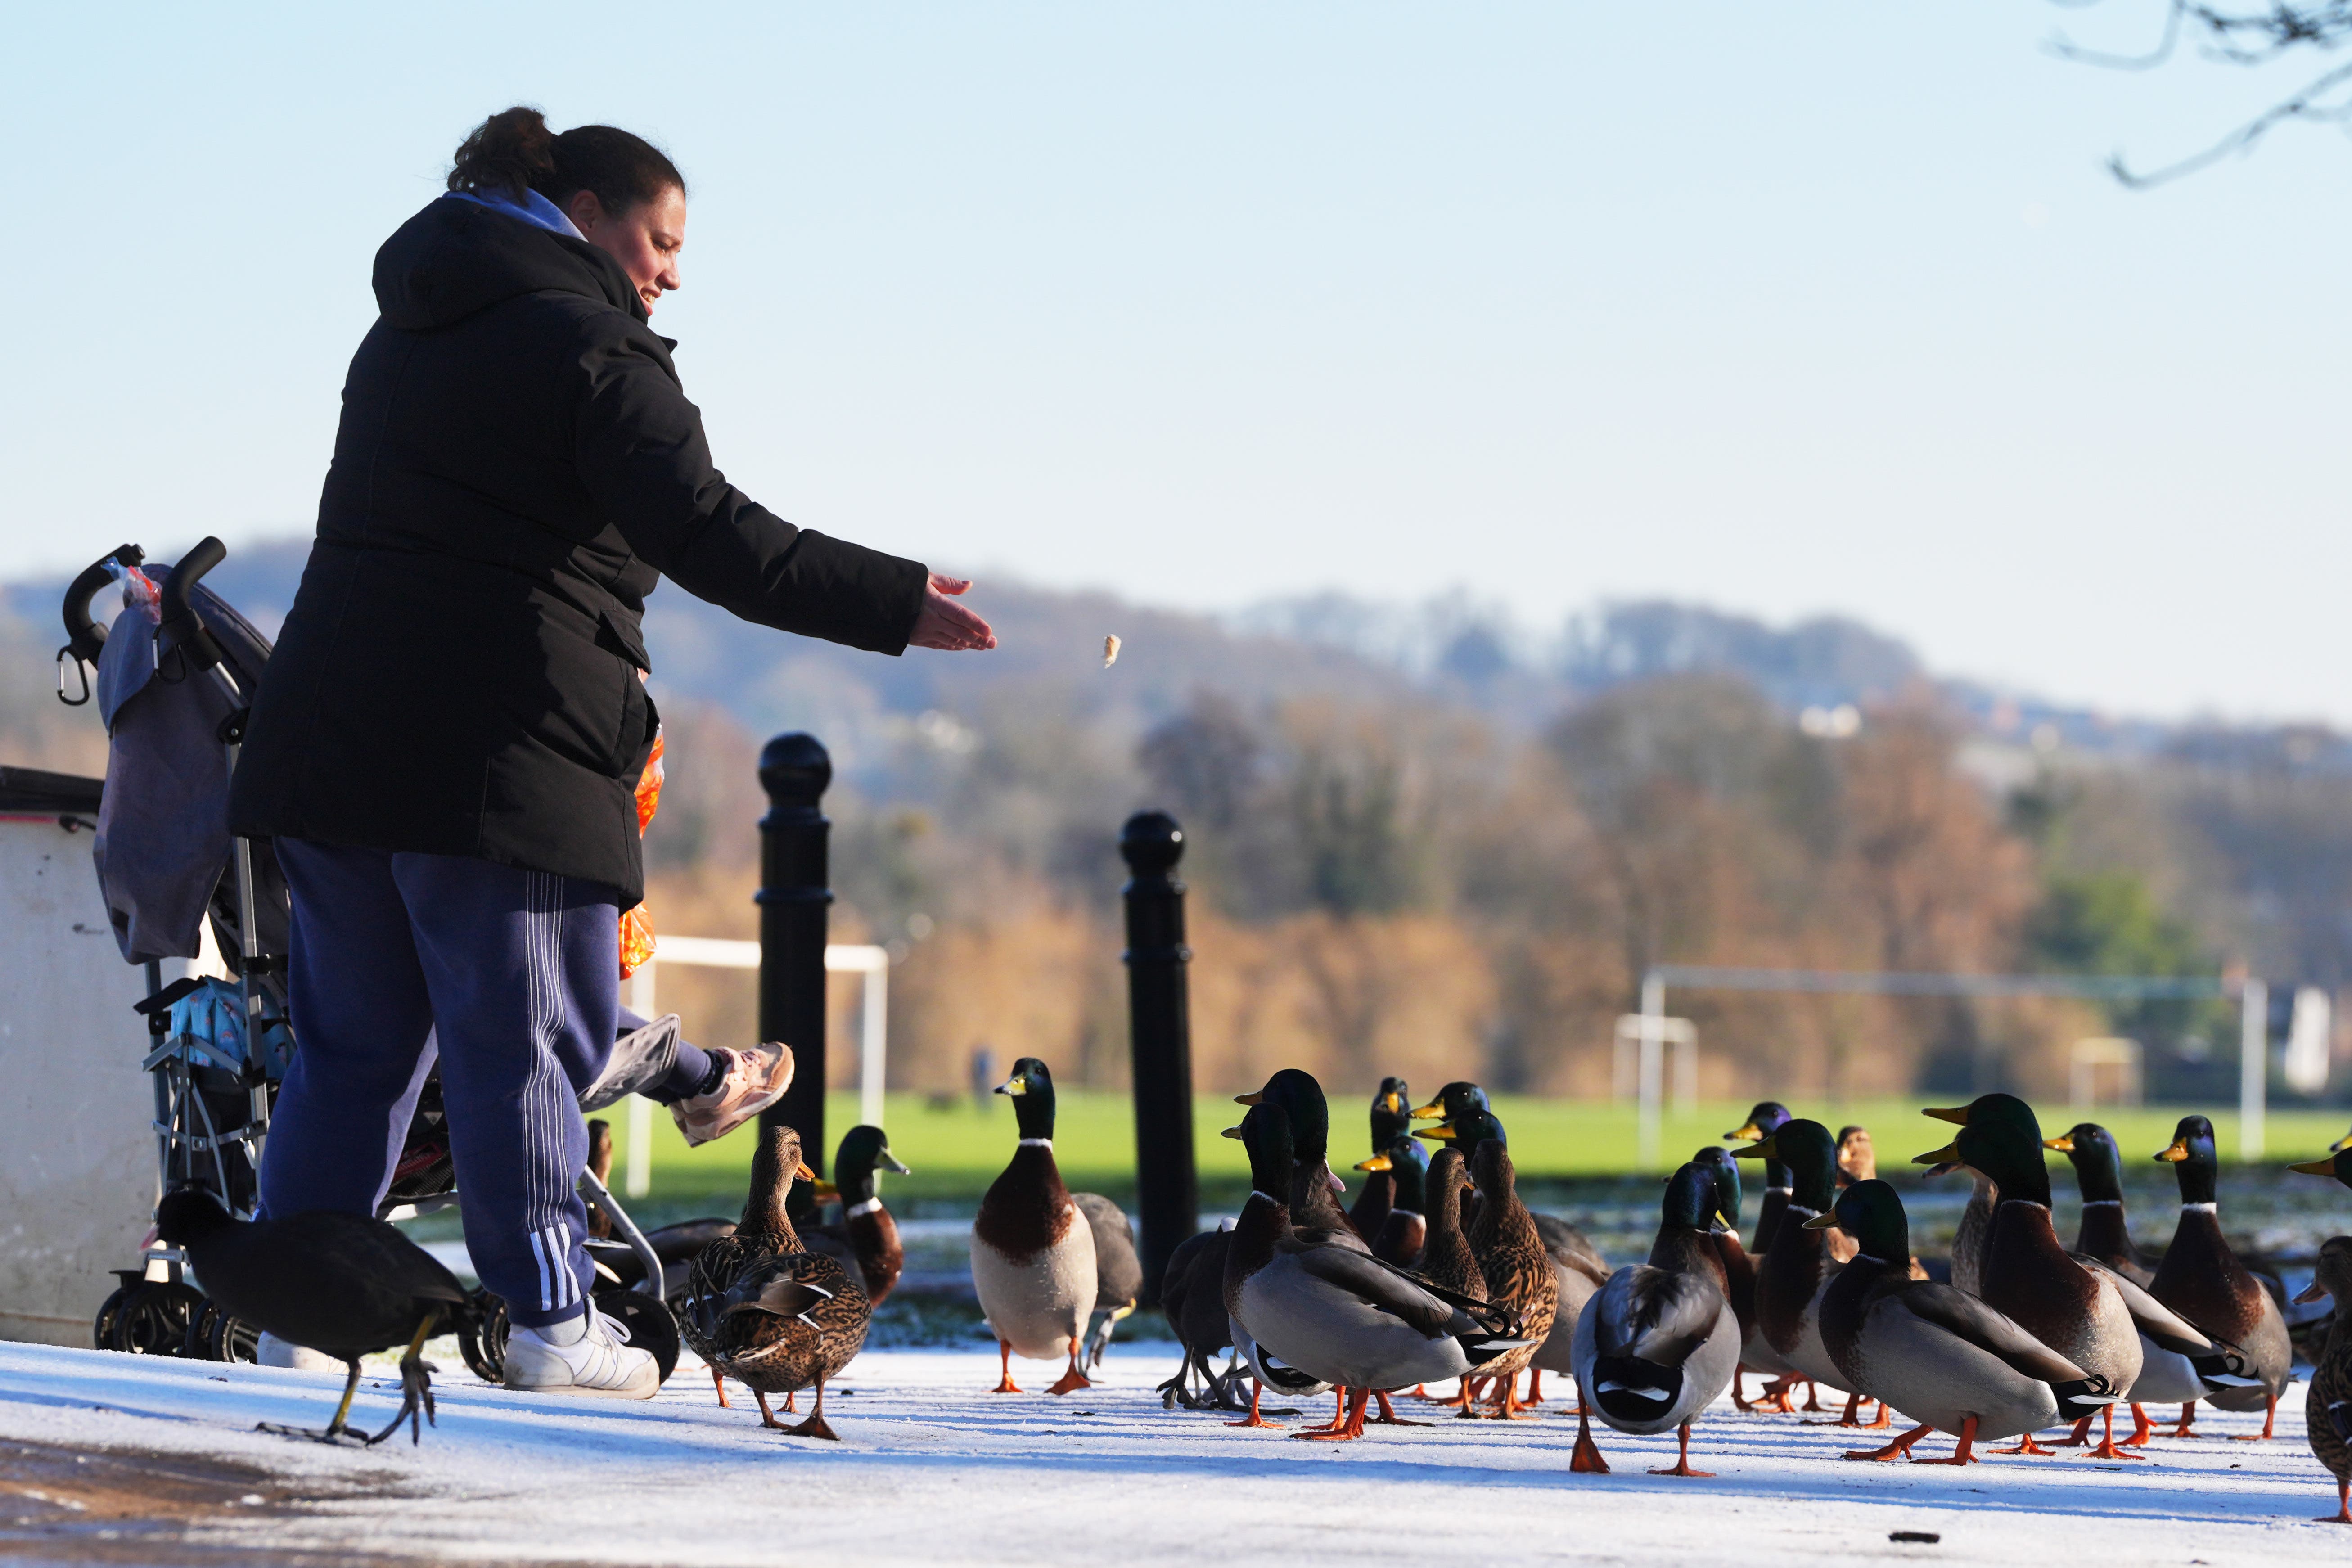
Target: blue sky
[1782,308]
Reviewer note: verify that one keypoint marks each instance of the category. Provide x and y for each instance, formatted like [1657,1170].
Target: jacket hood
[457,257]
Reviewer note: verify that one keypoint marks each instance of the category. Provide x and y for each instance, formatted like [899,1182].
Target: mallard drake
[1738,1263]
[1512,1256]
[1391,1120]
[1192,1297]
[1456,1099]
[2202,1279]
[864,1238]
[1119,1272]
[2327,1410]
[1337,1313]
[759,1234]
[1768,1118]
[789,1320]
[1404,1228]
[1658,1344]
[2087,1313]
[2098,1172]
[1314,1191]
[345,1285]
[1798,1265]
[1939,1355]
[1033,1252]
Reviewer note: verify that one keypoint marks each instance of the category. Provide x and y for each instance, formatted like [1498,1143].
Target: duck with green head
[865,1238]
[1768,1117]
[1941,1355]
[2086,1311]
[1799,1263]
[1033,1252]
[1659,1343]
[2327,1411]
[1512,1257]
[1402,1168]
[1391,1120]
[1314,1190]
[2098,1172]
[2202,1279]
[1336,1314]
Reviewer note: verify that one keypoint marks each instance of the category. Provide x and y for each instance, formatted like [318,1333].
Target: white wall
[77,1154]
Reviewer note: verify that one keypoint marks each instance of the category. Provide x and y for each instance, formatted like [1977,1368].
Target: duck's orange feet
[2187,1421]
[1897,1450]
[1813,1398]
[1586,1460]
[2142,1428]
[1961,1455]
[1338,1413]
[1852,1417]
[816,1425]
[719,1382]
[1071,1381]
[2343,1514]
[1535,1387]
[792,1404]
[1343,1431]
[1739,1401]
[1005,1355]
[2106,1448]
[1682,1463]
[1775,1400]
[767,1416]
[2270,1419]
[1388,1415]
[1258,1392]
[2025,1444]
[1884,1419]
[2076,1438]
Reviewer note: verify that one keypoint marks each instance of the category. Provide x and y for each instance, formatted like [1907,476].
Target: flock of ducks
[1441,1272]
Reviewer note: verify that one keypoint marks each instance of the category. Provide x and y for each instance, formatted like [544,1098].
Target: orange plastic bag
[636,923]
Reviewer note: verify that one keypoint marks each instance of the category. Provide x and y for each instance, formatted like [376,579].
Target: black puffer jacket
[517,466]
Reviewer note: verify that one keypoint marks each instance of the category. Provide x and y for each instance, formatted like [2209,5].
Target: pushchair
[173,674]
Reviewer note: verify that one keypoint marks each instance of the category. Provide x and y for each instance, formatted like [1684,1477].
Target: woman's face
[644,238]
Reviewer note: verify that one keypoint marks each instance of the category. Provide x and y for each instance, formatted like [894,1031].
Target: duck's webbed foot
[2343,1514]
[1898,1449]
[1258,1392]
[1775,1400]
[1348,1428]
[1585,1459]
[719,1382]
[2107,1448]
[1075,1378]
[2025,1444]
[1005,1383]
[1388,1415]
[1963,1455]
[2269,1420]
[816,1425]
[1682,1466]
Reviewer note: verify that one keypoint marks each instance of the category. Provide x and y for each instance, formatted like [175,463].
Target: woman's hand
[944,624]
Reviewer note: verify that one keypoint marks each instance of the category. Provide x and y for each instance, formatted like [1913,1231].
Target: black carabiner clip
[64,653]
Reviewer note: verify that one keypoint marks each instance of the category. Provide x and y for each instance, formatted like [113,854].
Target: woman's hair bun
[513,152]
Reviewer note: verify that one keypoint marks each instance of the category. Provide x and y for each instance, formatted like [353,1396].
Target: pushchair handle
[182,626]
[85,636]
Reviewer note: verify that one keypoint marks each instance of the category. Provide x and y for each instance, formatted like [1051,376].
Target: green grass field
[956,1150]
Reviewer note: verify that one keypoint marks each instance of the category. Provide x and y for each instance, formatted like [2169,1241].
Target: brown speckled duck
[2328,1412]
[1512,1257]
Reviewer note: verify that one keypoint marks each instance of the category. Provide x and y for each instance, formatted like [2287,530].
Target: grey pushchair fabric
[163,824]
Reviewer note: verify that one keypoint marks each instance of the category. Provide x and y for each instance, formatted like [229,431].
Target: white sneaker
[756,1078]
[581,1355]
[271,1350]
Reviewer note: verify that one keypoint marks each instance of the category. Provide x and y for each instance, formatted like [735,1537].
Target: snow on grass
[933,1469]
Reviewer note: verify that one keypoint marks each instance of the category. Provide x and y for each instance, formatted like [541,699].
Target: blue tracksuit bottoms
[520,971]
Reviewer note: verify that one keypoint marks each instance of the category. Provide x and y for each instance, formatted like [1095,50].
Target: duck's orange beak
[1950,1151]
[2064,1143]
[804,1174]
[1770,1149]
[1956,1113]
[2315,1167]
[2177,1153]
[1377,1162]
[1823,1222]
[1251,1099]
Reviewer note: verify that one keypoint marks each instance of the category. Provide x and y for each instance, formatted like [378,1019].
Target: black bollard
[794,771]
[1159,1012]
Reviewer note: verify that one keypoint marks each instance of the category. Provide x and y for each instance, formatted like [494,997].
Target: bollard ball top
[794,769]
[1151,843]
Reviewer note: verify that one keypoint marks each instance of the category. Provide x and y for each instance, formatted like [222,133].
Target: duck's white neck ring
[2200,1208]
[1800,1208]
[1784,1191]
[2103,1202]
[868,1206]
[1036,1143]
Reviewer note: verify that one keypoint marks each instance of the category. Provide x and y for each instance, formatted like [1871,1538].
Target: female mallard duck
[1512,1257]
[1446,1259]
[1391,1120]
[2087,1313]
[1658,1344]
[788,1320]
[865,1238]
[2327,1410]
[763,1231]
[1404,1228]
[2202,1279]
[1941,1356]
[1313,1194]
[1033,1252]
[1337,1313]
[1119,1272]
[1799,1263]
[2098,1172]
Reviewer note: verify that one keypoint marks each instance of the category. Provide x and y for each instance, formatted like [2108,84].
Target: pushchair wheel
[154,1318]
[652,1326]
[109,1312]
[482,1336]
[219,1337]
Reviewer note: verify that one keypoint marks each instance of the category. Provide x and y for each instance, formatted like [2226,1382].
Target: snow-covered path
[934,1470]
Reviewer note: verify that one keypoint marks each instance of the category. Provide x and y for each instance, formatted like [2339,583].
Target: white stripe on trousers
[546,1094]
